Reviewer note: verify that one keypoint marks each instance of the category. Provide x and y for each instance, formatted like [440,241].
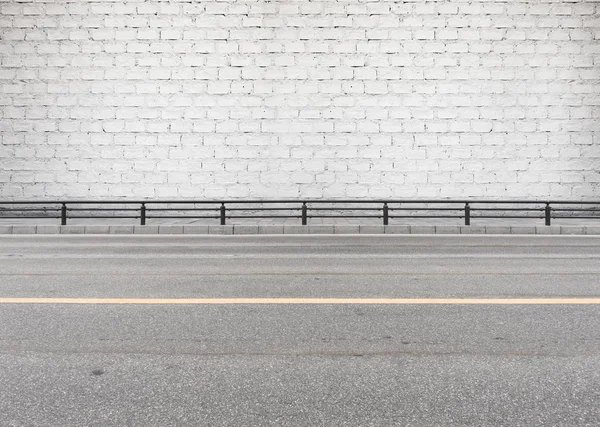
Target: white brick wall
[354,98]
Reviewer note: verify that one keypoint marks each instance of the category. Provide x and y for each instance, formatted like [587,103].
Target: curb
[298,229]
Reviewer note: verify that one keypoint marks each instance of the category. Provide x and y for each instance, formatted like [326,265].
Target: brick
[422,229]
[72,229]
[6,229]
[220,229]
[195,229]
[412,96]
[321,229]
[97,229]
[270,229]
[564,229]
[372,229]
[295,229]
[170,229]
[543,229]
[47,229]
[472,229]
[594,230]
[397,229]
[245,229]
[346,229]
[120,229]
[145,229]
[447,229]
[497,229]
[23,229]
[522,229]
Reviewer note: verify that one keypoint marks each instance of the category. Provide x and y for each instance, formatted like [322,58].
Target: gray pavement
[299,365]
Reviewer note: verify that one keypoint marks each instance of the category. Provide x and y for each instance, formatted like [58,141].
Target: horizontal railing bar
[30,210]
[101,209]
[310,208]
[507,216]
[576,210]
[427,209]
[345,216]
[564,202]
[180,216]
[576,217]
[102,216]
[508,209]
[181,209]
[263,216]
[318,201]
[264,209]
[29,217]
[287,209]
[426,216]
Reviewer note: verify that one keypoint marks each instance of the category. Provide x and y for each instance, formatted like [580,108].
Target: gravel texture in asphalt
[299,365]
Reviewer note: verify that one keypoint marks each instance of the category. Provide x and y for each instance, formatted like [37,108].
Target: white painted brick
[108,99]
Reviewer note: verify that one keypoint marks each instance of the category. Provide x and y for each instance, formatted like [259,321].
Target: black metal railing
[222,210]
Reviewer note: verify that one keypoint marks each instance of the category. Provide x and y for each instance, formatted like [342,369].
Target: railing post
[143,214]
[222,213]
[304,214]
[385,214]
[63,214]
[548,211]
[467,214]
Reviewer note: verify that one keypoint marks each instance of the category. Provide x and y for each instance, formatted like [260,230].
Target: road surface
[188,359]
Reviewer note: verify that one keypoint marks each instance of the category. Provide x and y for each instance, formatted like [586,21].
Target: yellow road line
[337,301]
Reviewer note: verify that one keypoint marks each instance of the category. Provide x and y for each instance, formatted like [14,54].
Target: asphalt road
[289,364]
